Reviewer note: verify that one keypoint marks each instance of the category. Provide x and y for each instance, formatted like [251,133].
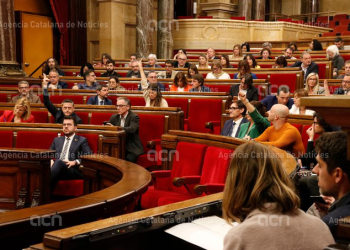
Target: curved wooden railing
[120,185]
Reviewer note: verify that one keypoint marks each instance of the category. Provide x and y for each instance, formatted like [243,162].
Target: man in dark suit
[345,88]
[24,91]
[101,97]
[333,175]
[67,108]
[110,70]
[55,82]
[237,113]
[182,62]
[130,123]
[211,54]
[282,97]
[306,65]
[247,87]
[152,78]
[69,148]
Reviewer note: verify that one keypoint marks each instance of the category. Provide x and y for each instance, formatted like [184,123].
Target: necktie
[101,102]
[231,129]
[64,151]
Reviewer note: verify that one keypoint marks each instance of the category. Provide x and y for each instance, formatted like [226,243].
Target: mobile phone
[105,122]
[318,199]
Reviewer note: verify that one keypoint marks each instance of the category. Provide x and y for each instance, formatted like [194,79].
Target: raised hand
[311,132]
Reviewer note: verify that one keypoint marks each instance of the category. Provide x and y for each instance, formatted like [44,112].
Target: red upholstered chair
[346,57]
[340,29]
[58,99]
[1,112]
[179,102]
[6,139]
[345,33]
[344,22]
[205,17]
[188,161]
[332,24]
[150,132]
[38,140]
[241,18]
[70,188]
[340,17]
[93,140]
[218,88]
[84,116]
[329,34]
[212,179]
[298,126]
[137,101]
[130,86]
[305,137]
[323,19]
[40,116]
[71,84]
[3,97]
[99,118]
[122,74]
[322,70]
[262,76]
[290,80]
[285,20]
[204,111]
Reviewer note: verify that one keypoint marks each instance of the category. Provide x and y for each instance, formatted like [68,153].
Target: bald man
[282,134]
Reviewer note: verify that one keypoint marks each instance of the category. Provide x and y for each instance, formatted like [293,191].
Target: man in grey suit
[69,148]
[130,123]
[24,91]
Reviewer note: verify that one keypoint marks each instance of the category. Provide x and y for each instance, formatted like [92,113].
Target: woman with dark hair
[256,117]
[315,45]
[180,52]
[261,197]
[245,47]
[252,62]
[20,113]
[104,58]
[225,62]
[192,70]
[114,84]
[180,83]
[51,63]
[243,68]
[84,68]
[246,86]
[265,54]
[281,62]
[151,92]
[293,45]
[198,84]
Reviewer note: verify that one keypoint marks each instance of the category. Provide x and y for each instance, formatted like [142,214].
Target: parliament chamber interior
[198,124]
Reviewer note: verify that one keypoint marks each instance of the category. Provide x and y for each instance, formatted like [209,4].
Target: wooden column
[245,9]
[144,27]
[165,27]
[260,9]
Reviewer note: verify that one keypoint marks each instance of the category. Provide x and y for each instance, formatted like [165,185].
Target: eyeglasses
[152,77]
[312,79]
[120,106]
[215,69]
[182,59]
[233,108]
[347,82]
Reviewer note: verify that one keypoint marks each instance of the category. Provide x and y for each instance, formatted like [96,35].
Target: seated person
[246,86]
[243,68]
[110,69]
[337,60]
[211,54]
[180,52]
[133,57]
[114,84]
[130,123]
[266,45]
[260,196]
[202,62]
[237,112]
[50,64]
[217,72]
[69,148]
[282,97]
[25,92]
[152,78]
[333,175]
[54,81]
[288,53]
[182,62]
[90,81]
[192,70]
[296,108]
[265,54]
[67,108]
[198,84]
[21,112]
[237,53]
[180,83]
[104,58]
[282,134]
[251,61]
[347,70]
[135,71]
[84,68]
[281,62]
[101,97]
[169,66]
[312,85]
[152,62]
[306,64]
[343,90]
[151,92]
[338,41]
[257,122]
[225,61]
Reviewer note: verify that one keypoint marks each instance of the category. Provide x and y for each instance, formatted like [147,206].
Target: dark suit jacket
[187,65]
[60,85]
[114,73]
[228,125]
[313,68]
[131,127]
[271,100]
[93,100]
[57,113]
[339,91]
[78,147]
[252,93]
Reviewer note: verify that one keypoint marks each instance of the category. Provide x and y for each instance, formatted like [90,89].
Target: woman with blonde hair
[203,62]
[20,113]
[312,85]
[217,72]
[261,197]
[237,53]
[296,109]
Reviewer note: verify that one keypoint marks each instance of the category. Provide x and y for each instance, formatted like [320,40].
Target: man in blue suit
[282,97]
[237,113]
[69,148]
[101,97]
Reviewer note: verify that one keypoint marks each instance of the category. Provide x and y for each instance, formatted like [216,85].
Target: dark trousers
[60,171]
[130,156]
[307,186]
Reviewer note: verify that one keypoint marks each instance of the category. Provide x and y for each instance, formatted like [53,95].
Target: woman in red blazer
[21,112]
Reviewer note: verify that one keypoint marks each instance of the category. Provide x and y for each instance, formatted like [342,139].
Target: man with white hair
[267,45]
[152,62]
[337,61]
[211,54]
[306,64]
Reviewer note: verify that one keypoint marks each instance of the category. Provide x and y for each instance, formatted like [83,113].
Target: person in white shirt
[217,72]
[296,108]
